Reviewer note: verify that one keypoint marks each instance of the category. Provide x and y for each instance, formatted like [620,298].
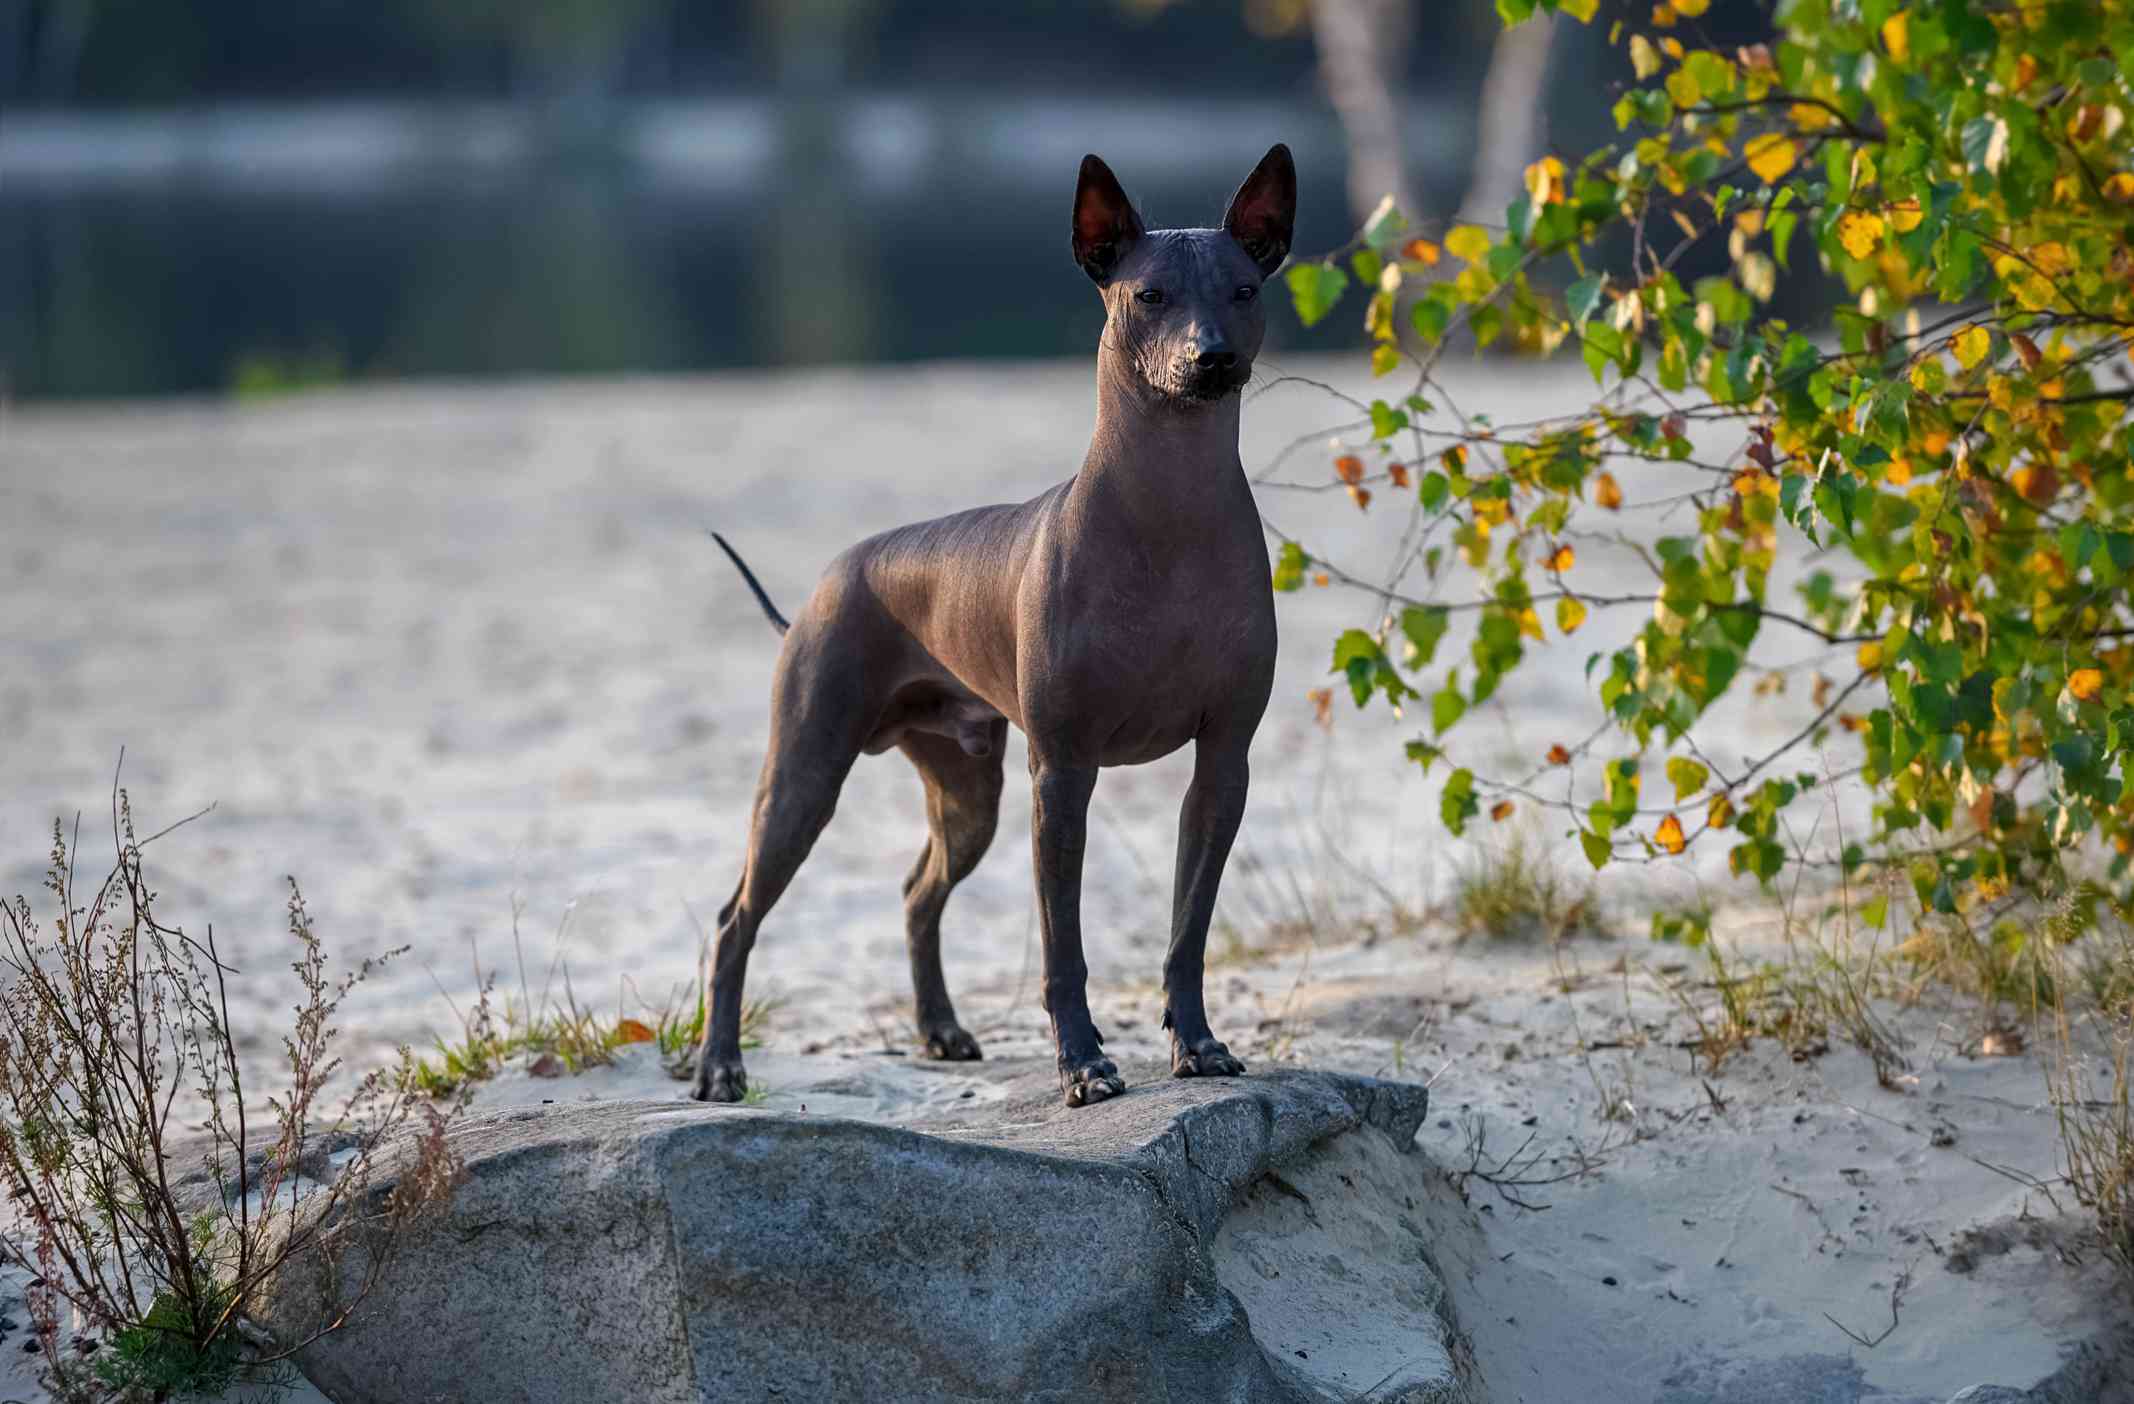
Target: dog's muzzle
[1212,375]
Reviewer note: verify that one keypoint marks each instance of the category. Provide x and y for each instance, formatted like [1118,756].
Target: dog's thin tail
[770,610]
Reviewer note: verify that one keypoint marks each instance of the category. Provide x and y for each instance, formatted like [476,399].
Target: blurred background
[241,196]
[563,282]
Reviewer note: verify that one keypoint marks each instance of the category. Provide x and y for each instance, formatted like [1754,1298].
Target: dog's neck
[1163,459]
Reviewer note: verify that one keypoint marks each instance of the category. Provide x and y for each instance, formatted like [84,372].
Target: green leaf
[1289,566]
[1424,626]
[1315,288]
[1386,421]
[1458,804]
[1583,296]
[1598,849]
[1686,775]
[1446,707]
[1433,490]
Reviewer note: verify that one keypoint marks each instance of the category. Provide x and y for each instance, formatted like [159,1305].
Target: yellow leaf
[1469,242]
[1722,810]
[1644,59]
[1530,624]
[1570,613]
[1771,156]
[1905,215]
[1896,36]
[1690,8]
[631,1031]
[1900,472]
[2085,683]
[1544,181]
[2120,187]
[1561,559]
[1670,835]
[1607,492]
[1500,811]
[1870,656]
[1859,232]
[1971,345]
[1672,47]
[1936,442]
[1809,117]
[2051,258]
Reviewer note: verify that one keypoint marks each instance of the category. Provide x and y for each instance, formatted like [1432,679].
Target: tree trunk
[1510,119]
[1363,49]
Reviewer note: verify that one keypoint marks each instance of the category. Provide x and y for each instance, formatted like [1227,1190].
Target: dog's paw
[1207,1058]
[721,1082]
[1093,1081]
[952,1043]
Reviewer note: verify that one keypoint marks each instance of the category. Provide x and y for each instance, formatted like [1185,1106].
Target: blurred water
[254,247]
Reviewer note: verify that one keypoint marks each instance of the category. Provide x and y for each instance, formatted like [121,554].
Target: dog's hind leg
[813,746]
[962,810]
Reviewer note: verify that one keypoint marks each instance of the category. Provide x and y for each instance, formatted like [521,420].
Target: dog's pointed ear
[1105,225]
[1263,214]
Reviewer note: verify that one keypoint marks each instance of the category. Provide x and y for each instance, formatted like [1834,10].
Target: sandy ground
[439,651]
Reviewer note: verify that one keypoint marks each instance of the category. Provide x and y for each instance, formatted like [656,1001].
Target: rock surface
[1236,1240]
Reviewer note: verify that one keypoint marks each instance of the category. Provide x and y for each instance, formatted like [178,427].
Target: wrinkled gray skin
[1119,616]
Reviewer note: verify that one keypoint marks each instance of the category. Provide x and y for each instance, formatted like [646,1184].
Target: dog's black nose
[1216,359]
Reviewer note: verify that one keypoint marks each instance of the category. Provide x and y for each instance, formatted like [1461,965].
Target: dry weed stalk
[161,1243]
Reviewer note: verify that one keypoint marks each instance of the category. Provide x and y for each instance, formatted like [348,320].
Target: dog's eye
[1246,292]
[1152,296]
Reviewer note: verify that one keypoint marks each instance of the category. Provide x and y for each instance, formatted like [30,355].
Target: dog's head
[1183,305]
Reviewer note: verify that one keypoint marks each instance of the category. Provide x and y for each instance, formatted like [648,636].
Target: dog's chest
[1142,658]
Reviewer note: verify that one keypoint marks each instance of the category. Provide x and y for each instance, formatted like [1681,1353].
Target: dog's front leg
[1207,822]
[1058,833]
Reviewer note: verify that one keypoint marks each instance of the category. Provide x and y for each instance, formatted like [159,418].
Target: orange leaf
[1558,755]
[1670,835]
[1561,559]
[2085,683]
[1322,700]
[1321,579]
[1349,469]
[1423,251]
[632,1031]
[1455,458]
[1607,492]
[1398,472]
[1500,811]
[2035,482]
[1362,495]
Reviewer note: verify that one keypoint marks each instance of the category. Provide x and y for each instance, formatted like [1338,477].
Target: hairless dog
[1115,618]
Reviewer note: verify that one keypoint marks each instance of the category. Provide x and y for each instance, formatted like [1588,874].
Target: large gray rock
[664,1251]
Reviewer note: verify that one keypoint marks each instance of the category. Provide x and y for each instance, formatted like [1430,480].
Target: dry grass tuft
[148,1249]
